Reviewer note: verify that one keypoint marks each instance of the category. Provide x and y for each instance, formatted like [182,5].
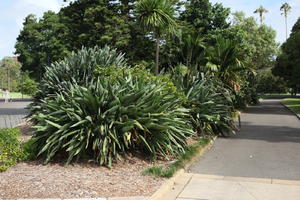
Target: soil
[83,180]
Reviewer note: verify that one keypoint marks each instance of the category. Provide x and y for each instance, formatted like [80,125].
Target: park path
[268,146]
[261,162]
[12,113]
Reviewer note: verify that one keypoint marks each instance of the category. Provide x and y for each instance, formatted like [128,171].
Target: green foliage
[224,61]
[156,16]
[102,112]
[78,68]
[27,85]
[11,150]
[184,158]
[268,83]
[288,62]
[204,16]
[41,42]
[9,73]
[210,104]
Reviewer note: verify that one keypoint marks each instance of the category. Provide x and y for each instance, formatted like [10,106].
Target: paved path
[268,146]
[261,162]
[12,113]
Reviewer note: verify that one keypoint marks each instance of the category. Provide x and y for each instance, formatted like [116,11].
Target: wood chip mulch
[83,180]
[34,180]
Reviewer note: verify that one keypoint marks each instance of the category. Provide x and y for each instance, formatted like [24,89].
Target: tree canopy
[288,62]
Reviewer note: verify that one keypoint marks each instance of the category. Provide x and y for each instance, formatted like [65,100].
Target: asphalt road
[268,146]
[12,113]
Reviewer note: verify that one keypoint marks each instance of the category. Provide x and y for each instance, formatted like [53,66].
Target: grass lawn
[293,104]
[16,95]
[275,96]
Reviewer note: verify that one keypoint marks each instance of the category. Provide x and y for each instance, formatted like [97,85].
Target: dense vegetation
[11,150]
[142,76]
[14,79]
[288,62]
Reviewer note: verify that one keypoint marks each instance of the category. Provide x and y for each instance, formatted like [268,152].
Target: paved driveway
[12,113]
[268,146]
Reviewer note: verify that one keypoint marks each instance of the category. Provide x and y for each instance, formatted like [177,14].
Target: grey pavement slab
[268,146]
[12,113]
[200,188]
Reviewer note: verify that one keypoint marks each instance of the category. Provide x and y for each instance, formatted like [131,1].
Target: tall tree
[157,17]
[257,42]
[261,11]
[10,71]
[224,60]
[288,62]
[41,42]
[285,9]
[204,16]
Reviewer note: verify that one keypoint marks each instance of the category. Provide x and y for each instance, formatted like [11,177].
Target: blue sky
[14,11]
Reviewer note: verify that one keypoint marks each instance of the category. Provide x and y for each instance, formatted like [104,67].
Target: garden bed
[35,180]
[32,179]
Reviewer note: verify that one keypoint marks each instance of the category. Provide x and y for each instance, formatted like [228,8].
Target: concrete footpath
[12,113]
[189,186]
[261,162]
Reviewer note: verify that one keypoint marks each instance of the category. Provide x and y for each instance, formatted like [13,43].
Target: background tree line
[115,23]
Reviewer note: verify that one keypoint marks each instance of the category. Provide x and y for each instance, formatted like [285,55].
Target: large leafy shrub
[111,112]
[11,150]
[78,68]
[209,102]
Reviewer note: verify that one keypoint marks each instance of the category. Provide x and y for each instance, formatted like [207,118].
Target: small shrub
[27,85]
[11,150]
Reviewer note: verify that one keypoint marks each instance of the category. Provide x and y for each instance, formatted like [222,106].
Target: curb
[289,109]
[100,198]
[173,182]
[18,100]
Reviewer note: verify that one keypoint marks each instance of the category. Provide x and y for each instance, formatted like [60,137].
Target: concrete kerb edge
[168,185]
[289,109]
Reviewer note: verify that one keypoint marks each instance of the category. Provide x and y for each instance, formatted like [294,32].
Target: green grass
[169,171]
[18,95]
[293,104]
[275,96]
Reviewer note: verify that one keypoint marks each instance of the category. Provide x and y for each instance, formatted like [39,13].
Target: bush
[11,150]
[111,112]
[27,85]
[268,83]
[209,103]
[78,68]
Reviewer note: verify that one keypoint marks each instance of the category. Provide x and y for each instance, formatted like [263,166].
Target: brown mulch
[83,180]
[26,130]
[34,180]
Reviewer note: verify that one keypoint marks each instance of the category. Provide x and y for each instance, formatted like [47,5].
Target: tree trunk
[157,56]
[286,32]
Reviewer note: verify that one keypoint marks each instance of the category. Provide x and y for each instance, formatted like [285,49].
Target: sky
[13,13]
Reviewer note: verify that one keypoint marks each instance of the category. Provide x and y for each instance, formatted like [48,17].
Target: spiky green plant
[209,102]
[110,117]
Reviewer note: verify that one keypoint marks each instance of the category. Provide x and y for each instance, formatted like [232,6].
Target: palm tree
[285,9]
[261,10]
[223,60]
[191,47]
[156,16]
